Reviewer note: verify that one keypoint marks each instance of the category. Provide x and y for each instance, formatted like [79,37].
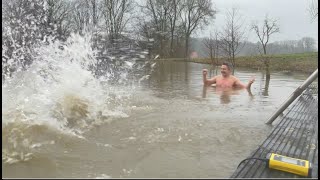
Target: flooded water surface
[166,125]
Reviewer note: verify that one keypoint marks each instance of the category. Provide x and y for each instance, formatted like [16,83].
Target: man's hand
[204,75]
[206,81]
[205,72]
[252,80]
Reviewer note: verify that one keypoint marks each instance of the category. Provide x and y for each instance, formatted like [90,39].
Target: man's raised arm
[239,84]
[250,82]
[206,81]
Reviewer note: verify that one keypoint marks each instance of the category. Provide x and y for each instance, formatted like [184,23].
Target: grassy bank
[302,62]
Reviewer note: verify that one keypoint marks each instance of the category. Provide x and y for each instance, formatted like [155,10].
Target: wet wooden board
[295,135]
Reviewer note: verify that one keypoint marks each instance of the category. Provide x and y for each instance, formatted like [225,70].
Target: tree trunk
[94,20]
[265,49]
[187,47]
[212,56]
[233,62]
[171,44]
[268,77]
[267,64]
[266,85]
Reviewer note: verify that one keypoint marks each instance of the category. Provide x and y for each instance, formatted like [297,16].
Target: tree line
[163,27]
[169,24]
[207,50]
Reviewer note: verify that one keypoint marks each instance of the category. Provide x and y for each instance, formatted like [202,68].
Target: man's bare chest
[223,82]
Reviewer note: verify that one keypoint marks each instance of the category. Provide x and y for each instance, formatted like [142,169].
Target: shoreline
[300,62]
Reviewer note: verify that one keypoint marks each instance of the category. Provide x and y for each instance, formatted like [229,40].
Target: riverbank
[301,62]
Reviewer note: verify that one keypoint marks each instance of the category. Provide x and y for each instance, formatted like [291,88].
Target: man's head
[226,69]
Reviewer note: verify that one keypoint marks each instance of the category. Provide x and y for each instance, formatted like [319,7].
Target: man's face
[225,71]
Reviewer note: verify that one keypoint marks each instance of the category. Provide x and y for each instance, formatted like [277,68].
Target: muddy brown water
[175,128]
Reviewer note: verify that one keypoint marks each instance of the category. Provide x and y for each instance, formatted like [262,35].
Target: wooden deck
[295,135]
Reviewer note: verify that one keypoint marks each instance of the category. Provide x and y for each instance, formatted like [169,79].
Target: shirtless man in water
[225,80]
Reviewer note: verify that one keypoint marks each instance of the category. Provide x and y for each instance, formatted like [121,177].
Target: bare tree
[174,13]
[313,9]
[209,44]
[80,15]
[194,14]
[94,6]
[116,15]
[269,27]
[212,46]
[57,17]
[161,20]
[232,35]
[308,43]
[85,14]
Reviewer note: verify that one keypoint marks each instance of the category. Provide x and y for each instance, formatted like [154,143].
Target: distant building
[193,55]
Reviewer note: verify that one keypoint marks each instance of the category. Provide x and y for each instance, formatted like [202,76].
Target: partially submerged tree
[269,27]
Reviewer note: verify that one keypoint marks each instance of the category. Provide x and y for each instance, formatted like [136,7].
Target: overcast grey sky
[292,15]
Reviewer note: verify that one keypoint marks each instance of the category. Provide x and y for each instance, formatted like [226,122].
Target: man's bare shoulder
[218,76]
[234,78]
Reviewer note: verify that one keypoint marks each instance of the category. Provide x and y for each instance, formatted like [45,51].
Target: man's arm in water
[239,84]
[206,81]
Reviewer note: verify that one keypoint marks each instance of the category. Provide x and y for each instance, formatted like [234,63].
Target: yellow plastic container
[288,164]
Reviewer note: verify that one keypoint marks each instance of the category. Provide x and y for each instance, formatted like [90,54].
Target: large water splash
[60,92]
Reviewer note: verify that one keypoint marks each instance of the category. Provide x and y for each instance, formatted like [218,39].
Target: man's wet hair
[229,65]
